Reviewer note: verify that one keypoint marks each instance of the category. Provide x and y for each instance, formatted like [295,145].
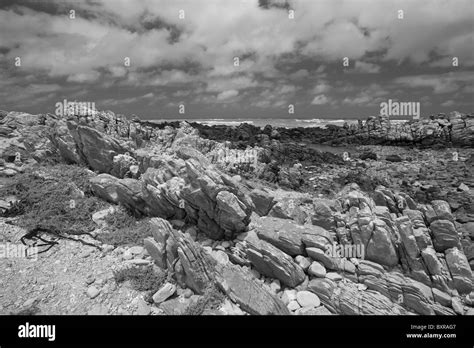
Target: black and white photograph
[305,159]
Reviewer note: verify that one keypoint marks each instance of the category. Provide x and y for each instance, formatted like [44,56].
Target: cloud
[320,100]
[321,87]
[368,68]
[448,103]
[444,83]
[280,58]
[227,94]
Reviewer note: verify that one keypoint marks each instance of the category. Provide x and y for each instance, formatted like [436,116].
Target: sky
[237,58]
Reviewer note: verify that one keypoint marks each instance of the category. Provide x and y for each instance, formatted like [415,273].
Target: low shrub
[124,229]
[210,300]
[57,199]
[142,278]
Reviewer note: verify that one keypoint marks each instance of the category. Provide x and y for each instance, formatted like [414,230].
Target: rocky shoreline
[259,214]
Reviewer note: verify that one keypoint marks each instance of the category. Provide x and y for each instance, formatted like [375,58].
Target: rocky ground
[240,238]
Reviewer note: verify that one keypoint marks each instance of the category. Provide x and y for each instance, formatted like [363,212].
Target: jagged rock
[442,297]
[274,263]
[289,236]
[262,200]
[439,210]
[95,148]
[400,289]
[323,214]
[460,270]
[197,270]
[346,298]
[445,235]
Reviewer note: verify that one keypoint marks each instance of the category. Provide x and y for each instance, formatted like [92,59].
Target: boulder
[274,263]
[445,235]
[460,270]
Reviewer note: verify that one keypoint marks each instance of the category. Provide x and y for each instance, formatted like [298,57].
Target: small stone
[293,305]
[288,296]
[307,299]
[127,255]
[220,257]
[29,302]
[317,270]
[463,187]
[138,262]
[136,250]
[304,262]
[107,248]
[90,279]
[275,286]
[226,244]
[93,292]
[164,293]
[361,287]
[188,293]
[143,308]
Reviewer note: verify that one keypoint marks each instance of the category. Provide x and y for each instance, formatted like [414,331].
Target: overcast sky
[282,60]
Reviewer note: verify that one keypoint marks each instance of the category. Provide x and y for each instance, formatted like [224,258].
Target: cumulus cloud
[289,59]
[227,94]
[320,100]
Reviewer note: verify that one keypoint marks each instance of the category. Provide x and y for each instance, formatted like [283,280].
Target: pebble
[29,302]
[107,248]
[93,292]
[138,262]
[136,250]
[188,293]
[317,270]
[143,308]
[220,257]
[275,286]
[307,299]
[127,255]
[293,305]
[226,244]
[304,262]
[90,279]
[165,292]
[288,296]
